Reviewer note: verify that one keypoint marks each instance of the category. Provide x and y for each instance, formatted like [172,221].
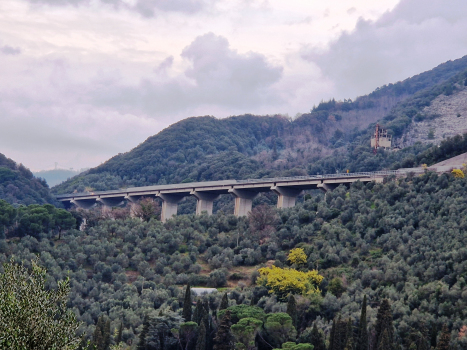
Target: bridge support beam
[84,203]
[328,187]
[205,201]
[112,202]
[243,201]
[286,196]
[169,205]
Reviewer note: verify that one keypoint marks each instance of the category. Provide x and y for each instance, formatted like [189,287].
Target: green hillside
[19,186]
[206,148]
[403,240]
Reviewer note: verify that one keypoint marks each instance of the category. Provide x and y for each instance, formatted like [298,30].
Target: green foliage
[224,339]
[245,332]
[32,317]
[7,216]
[362,337]
[187,308]
[19,186]
[294,346]
[225,302]
[336,287]
[279,328]
[238,312]
[384,337]
[292,310]
[444,339]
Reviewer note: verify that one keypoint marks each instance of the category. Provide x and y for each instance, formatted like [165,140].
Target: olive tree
[32,317]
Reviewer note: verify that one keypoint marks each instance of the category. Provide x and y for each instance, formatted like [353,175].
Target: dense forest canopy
[403,240]
[19,186]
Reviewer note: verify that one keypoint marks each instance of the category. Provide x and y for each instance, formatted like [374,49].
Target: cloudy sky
[82,80]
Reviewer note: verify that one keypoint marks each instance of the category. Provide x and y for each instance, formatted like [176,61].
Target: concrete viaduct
[243,191]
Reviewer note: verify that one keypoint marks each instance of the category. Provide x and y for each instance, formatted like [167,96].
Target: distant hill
[19,186]
[56,176]
[333,137]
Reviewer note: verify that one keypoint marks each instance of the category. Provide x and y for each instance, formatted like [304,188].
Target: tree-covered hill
[19,186]
[206,148]
[403,240]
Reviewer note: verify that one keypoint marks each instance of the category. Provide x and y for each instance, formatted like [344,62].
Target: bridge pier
[169,205]
[205,201]
[243,201]
[286,196]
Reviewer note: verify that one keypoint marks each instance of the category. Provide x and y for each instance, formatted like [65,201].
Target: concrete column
[243,201]
[169,205]
[84,203]
[205,201]
[286,195]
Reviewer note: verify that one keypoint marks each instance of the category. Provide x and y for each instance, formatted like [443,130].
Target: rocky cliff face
[445,117]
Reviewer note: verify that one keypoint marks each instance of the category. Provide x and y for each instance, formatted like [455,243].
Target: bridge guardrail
[371,174]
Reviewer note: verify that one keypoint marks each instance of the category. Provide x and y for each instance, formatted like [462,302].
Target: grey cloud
[146,8]
[59,2]
[219,76]
[415,36]
[9,50]
[164,65]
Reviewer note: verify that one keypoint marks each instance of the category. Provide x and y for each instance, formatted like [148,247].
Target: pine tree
[187,304]
[384,323]
[317,339]
[362,340]
[224,338]
[444,339]
[292,310]
[225,302]
[201,342]
[142,336]
[119,334]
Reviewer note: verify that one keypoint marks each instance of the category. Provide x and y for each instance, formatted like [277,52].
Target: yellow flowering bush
[284,281]
[297,256]
[457,173]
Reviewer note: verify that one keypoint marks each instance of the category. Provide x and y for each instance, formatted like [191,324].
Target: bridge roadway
[244,191]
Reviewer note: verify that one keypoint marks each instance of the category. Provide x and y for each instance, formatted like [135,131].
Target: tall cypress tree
[317,339]
[349,341]
[224,302]
[119,334]
[106,336]
[201,342]
[384,322]
[224,339]
[332,335]
[98,335]
[362,340]
[142,336]
[292,310]
[384,343]
[187,304]
[444,339]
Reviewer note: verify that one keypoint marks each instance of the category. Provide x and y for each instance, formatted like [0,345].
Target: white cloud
[415,36]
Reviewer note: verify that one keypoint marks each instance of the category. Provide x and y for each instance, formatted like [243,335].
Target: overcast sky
[82,80]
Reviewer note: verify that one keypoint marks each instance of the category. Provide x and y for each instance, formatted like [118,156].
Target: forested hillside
[403,240]
[19,186]
[206,148]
